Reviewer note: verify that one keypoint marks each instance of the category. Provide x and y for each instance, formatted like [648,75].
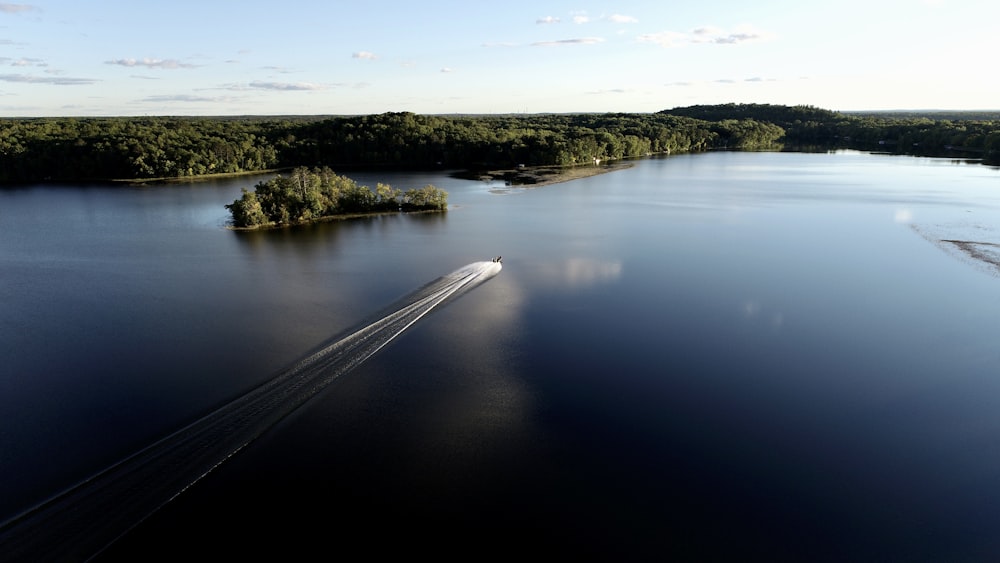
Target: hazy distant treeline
[929,133]
[73,149]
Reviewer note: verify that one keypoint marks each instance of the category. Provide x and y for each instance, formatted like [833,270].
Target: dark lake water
[724,356]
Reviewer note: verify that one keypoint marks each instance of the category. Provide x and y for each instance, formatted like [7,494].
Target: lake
[713,356]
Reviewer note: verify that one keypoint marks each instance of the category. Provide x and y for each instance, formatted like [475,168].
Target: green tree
[247,211]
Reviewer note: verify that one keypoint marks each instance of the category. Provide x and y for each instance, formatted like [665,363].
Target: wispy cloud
[705,35]
[286,86]
[580,17]
[547,20]
[577,41]
[186,98]
[7,8]
[706,32]
[742,34]
[751,80]
[663,38]
[151,63]
[619,18]
[366,55]
[57,80]
[28,62]
[610,91]
[447,69]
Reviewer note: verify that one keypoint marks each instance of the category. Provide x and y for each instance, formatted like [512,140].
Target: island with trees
[307,195]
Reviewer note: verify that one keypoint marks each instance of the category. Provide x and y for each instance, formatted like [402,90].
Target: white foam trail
[83,521]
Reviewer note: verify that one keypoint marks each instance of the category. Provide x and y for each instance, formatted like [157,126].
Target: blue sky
[250,57]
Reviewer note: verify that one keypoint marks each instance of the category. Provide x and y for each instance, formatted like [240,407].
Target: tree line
[310,194]
[145,148]
[932,133]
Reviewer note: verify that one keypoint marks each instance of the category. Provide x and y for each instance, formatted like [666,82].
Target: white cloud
[285,86]
[742,34]
[28,62]
[610,91]
[619,18]
[15,8]
[57,80]
[705,35]
[368,55]
[663,39]
[707,31]
[547,20]
[183,98]
[577,41]
[151,63]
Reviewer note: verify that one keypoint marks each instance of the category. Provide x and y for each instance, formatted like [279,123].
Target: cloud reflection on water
[493,403]
[581,272]
[753,309]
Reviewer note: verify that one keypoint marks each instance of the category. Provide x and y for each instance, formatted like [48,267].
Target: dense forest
[148,148]
[312,194]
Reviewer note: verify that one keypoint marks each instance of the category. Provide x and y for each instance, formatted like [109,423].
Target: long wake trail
[81,522]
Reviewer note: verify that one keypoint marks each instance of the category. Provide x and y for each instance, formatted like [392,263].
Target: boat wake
[83,521]
[961,242]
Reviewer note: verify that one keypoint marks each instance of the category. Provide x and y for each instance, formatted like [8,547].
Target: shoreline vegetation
[318,194]
[538,176]
[189,179]
[327,219]
[164,149]
[525,150]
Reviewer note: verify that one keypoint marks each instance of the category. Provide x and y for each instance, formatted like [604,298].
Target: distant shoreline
[531,176]
[197,178]
[538,176]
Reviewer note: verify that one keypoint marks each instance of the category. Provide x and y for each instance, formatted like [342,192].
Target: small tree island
[316,194]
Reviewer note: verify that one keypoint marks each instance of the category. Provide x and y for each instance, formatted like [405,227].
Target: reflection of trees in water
[299,239]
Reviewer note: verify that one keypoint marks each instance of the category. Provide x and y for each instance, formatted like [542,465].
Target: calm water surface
[717,355]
